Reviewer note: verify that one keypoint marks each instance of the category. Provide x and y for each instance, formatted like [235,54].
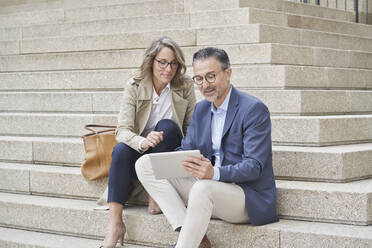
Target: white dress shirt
[218,122]
[161,109]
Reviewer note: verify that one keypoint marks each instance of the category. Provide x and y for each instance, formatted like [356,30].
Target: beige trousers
[204,199]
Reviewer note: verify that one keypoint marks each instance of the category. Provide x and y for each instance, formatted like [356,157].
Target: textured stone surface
[303,9]
[73,61]
[14,148]
[293,102]
[333,163]
[62,151]
[134,24]
[51,180]
[120,11]
[312,234]
[326,202]
[322,130]
[68,151]
[14,177]
[31,18]
[193,6]
[9,47]
[10,34]
[103,42]
[329,25]
[143,227]
[239,54]
[66,80]
[250,76]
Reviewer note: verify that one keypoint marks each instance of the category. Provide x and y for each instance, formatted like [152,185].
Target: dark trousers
[122,170]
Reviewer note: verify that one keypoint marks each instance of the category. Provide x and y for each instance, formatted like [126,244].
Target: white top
[161,109]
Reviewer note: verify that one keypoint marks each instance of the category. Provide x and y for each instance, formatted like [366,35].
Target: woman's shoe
[153,207]
[121,238]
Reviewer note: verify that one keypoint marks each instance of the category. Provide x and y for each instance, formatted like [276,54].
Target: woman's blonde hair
[146,71]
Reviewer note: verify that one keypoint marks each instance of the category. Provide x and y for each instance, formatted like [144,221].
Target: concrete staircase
[63,64]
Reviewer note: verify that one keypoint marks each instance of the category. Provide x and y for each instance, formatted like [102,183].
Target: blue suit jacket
[246,145]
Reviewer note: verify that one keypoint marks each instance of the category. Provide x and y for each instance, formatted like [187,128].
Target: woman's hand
[152,139]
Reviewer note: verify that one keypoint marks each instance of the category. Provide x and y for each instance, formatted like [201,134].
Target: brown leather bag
[98,147]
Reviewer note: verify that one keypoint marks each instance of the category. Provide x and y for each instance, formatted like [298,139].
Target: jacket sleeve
[189,95]
[126,120]
[256,147]
[188,141]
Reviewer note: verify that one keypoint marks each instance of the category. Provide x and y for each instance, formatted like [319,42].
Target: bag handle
[89,128]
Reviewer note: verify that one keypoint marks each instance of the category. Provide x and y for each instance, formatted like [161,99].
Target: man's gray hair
[212,52]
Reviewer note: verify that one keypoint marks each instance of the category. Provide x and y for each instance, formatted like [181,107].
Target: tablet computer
[167,165]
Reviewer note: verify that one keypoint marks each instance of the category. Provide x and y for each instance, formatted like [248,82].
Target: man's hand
[152,139]
[201,168]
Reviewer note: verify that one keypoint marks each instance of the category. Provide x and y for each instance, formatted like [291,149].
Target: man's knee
[142,165]
[202,188]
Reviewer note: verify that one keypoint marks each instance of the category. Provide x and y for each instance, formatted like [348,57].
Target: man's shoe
[205,243]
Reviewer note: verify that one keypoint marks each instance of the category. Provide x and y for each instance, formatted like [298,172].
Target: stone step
[323,202]
[286,130]
[243,34]
[301,9]
[109,26]
[279,102]
[331,164]
[32,210]
[341,163]
[25,239]
[61,151]
[52,16]
[183,37]
[245,54]
[262,76]
[228,17]
[347,203]
[241,16]
[29,7]
[55,16]
[124,10]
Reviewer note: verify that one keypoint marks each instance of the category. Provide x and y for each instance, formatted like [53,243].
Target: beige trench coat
[136,107]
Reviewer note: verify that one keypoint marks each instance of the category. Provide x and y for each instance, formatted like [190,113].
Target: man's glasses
[210,77]
[164,64]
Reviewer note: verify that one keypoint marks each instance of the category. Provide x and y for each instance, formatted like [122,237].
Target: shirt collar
[224,105]
[155,95]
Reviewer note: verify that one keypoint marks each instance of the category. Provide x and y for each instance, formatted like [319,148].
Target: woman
[155,112]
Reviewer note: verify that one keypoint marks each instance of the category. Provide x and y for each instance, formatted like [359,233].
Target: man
[233,180]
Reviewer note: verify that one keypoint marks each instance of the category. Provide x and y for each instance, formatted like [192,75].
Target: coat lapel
[144,103]
[231,110]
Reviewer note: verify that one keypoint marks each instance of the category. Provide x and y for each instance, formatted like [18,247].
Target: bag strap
[89,127]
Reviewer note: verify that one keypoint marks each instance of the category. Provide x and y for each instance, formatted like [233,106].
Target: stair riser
[239,54]
[243,77]
[159,232]
[29,18]
[322,165]
[310,131]
[279,102]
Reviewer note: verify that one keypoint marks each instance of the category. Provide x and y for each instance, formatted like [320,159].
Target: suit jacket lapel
[206,126]
[231,110]
[179,106]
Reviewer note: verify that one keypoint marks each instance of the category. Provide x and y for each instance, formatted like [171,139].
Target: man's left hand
[201,168]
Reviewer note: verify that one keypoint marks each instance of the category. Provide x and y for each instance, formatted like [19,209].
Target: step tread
[284,227]
[26,239]
[357,187]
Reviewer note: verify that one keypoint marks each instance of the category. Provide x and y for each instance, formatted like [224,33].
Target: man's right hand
[152,139]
